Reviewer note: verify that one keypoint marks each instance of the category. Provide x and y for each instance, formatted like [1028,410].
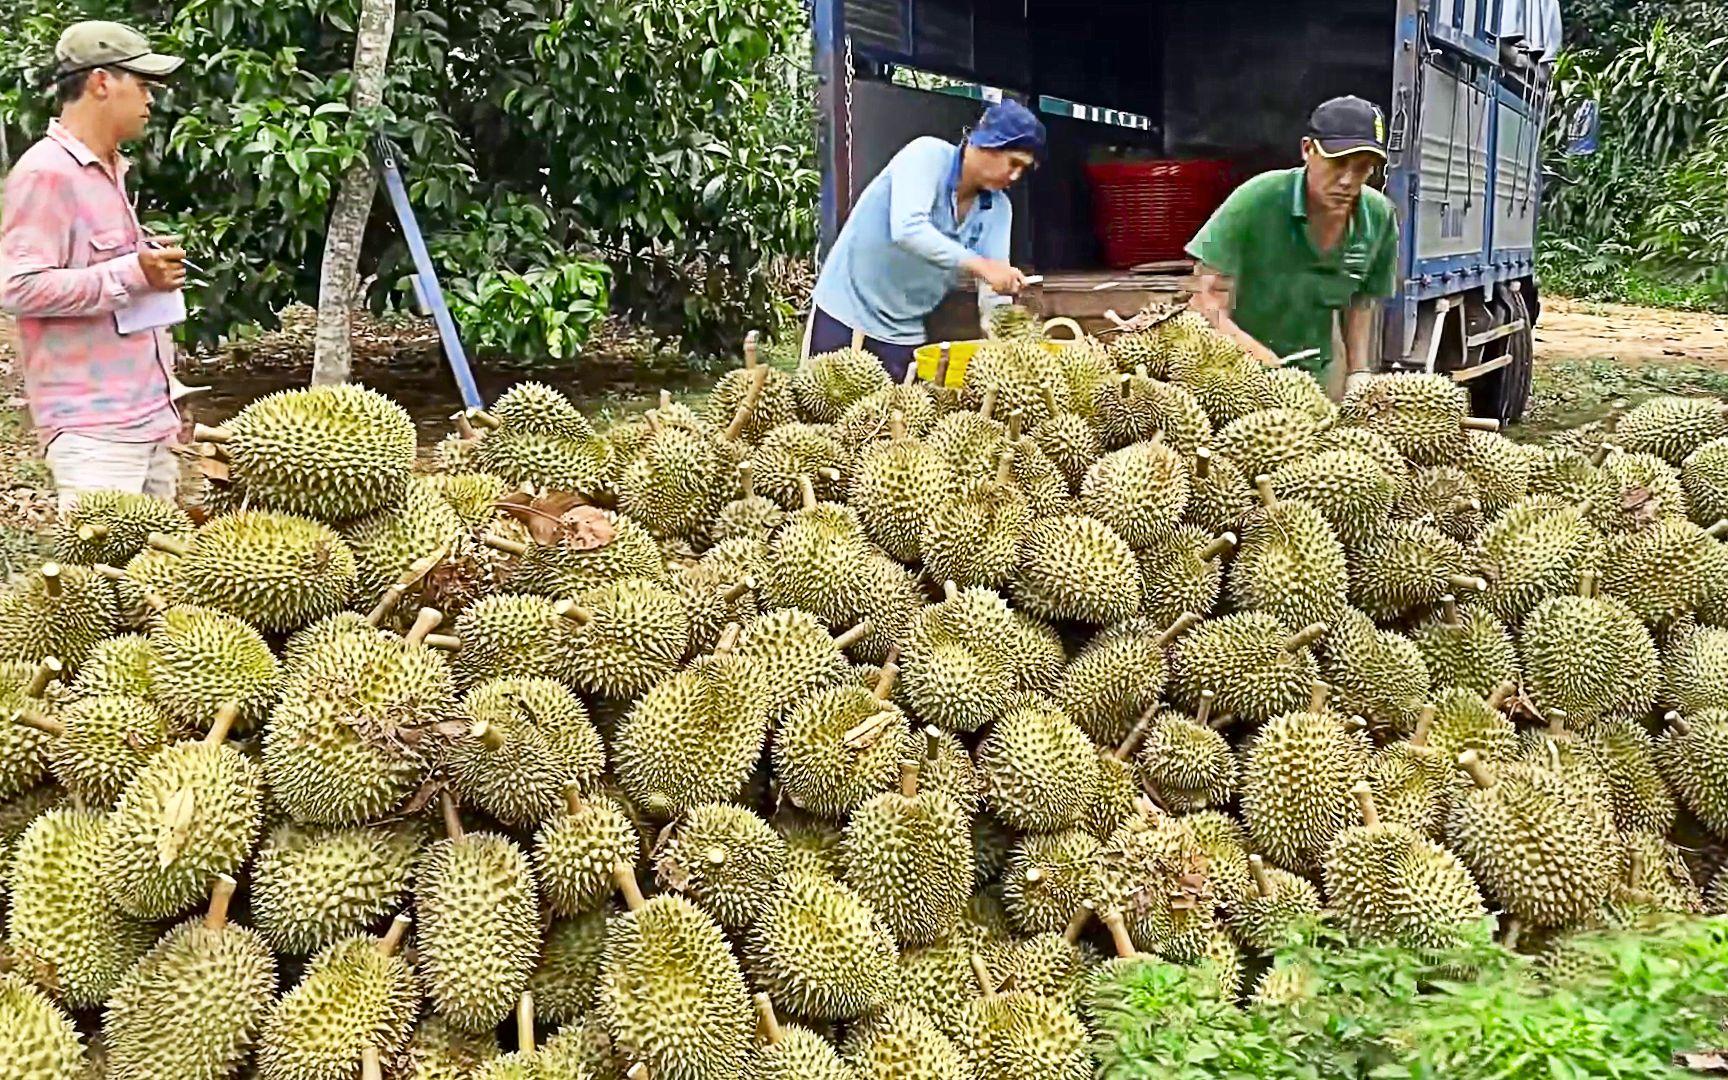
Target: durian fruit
[99,743]
[898,486]
[1176,414]
[1118,677]
[1139,491]
[1692,754]
[749,516]
[1126,410]
[18,814]
[1290,564]
[472,495]
[1187,764]
[1667,569]
[1575,478]
[796,451]
[58,611]
[1052,965]
[1280,904]
[1183,573]
[576,852]
[61,919]
[1465,648]
[901,1041]
[1350,488]
[1443,496]
[1547,855]
[973,538]
[1466,721]
[1424,416]
[796,655]
[908,853]
[1225,379]
[204,660]
[563,983]
[629,635]
[723,858]
[1671,427]
[866,422]
[112,526]
[192,1006]
[816,559]
[1406,565]
[1656,880]
[1068,439]
[790,1051]
[1047,878]
[1224,842]
[599,549]
[40,1043]
[695,736]
[1267,440]
[1116,798]
[1015,372]
[1293,388]
[1039,770]
[1076,569]
[956,675]
[677,481]
[891,597]
[479,924]
[1153,869]
[825,385]
[1413,783]
[125,664]
[148,574]
[1139,348]
[513,636]
[1587,655]
[391,539]
[357,995]
[527,740]
[1297,775]
[191,813]
[770,388]
[1498,467]
[1019,1035]
[1696,671]
[1377,674]
[538,437]
[819,949]
[838,747]
[1535,550]
[1704,479]
[1389,883]
[1640,797]
[276,571]
[1646,489]
[712,600]
[1372,443]
[311,887]
[1046,489]
[1254,666]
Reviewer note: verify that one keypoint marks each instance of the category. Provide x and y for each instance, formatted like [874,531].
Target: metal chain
[848,77]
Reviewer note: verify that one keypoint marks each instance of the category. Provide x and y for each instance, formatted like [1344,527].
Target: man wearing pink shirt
[72,254]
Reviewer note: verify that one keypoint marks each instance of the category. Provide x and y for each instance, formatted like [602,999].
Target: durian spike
[485,419]
[950,590]
[1424,724]
[525,1023]
[747,407]
[1679,723]
[1050,401]
[505,544]
[222,723]
[944,358]
[371,1067]
[424,623]
[988,405]
[884,688]
[574,801]
[94,530]
[47,725]
[153,600]
[1005,469]
[392,939]
[221,892]
[1222,545]
[464,427]
[173,545]
[444,642]
[981,972]
[1016,420]
[488,734]
[1077,923]
[807,492]
[452,819]
[1356,723]
[624,876]
[1184,623]
[1263,486]
[1450,616]
[752,341]
[1262,880]
[1718,530]
[739,590]
[1318,692]
[1119,935]
[1502,693]
[897,424]
[1131,742]
[47,670]
[1305,637]
[1480,774]
[1587,583]
[1202,462]
[1203,714]
[206,433]
[1365,803]
[747,479]
[909,779]
[767,1024]
[852,636]
[728,639]
[1480,423]
[1464,582]
[51,579]
[574,612]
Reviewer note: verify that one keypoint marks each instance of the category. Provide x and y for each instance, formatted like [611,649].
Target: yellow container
[960,353]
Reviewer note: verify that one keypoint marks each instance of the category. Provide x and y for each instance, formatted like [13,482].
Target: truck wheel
[1504,394]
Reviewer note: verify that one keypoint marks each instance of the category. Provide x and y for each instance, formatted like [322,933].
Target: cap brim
[1338,148]
[153,65]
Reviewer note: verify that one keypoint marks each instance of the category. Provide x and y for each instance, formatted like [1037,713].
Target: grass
[1567,273]
[1572,393]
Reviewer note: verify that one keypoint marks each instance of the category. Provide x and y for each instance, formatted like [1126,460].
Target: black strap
[59,75]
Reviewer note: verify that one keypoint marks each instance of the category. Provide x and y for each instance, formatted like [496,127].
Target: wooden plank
[1469,373]
[1495,334]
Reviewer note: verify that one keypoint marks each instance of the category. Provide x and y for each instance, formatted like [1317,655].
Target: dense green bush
[668,139]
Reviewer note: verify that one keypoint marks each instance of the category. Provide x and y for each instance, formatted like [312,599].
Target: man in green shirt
[1293,250]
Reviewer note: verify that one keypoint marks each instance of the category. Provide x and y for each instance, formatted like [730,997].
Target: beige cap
[87,45]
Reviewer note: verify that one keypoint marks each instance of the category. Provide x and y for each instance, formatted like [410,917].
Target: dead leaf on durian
[1640,503]
[561,519]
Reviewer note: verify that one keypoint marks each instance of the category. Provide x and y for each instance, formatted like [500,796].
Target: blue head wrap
[1009,125]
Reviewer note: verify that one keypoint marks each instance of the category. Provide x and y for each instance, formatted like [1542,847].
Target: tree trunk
[334,353]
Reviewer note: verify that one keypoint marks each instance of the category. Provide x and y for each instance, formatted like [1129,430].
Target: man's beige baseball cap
[88,45]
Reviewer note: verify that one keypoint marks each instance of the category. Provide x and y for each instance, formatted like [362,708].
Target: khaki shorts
[86,463]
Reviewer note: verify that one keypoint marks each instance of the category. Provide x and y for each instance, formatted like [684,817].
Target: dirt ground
[1572,330]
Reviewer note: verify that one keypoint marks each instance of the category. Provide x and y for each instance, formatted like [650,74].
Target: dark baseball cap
[1348,125]
[86,46]
[1009,125]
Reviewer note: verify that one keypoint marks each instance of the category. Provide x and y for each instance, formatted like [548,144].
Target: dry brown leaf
[560,518]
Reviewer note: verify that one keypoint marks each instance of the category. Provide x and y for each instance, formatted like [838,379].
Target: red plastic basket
[1144,211]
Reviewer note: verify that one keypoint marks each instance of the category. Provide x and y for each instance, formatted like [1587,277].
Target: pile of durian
[840,730]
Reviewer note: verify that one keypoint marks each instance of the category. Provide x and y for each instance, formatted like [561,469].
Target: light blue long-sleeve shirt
[901,249]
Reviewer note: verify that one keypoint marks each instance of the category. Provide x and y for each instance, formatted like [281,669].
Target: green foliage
[1387,1014]
[539,138]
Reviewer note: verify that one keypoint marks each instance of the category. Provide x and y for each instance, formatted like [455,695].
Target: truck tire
[1504,394]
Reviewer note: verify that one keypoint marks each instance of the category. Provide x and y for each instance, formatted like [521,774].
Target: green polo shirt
[1285,291]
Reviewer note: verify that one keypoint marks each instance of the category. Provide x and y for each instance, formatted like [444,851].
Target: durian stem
[747,478]
[715,855]
[424,623]
[864,734]
[47,725]
[624,877]
[1119,935]
[1556,723]
[444,642]
[221,892]
[1318,692]
[1202,462]
[504,544]
[1050,401]
[386,604]
[392,939]
[1005,468]
[371,1067]
[1077,923]
[1033,875]
[1718,530]
[153,600]
[1305,637]
[738,591]
[747,407]
[885,681]
[1497,700]
[987,407]
[1424,724]
[485,419]
[92,531]
[1601,454]
[652,421]
[728,639]
[767,1024]
[574,801]
[464,427]
[1466,583]
[1263,486]
[574,612]
[1481,423]
[1587,583]
[1016,421]
[173,545]
[1634,867]
[1514,929]
[942,361]
[1365,802]
[47,670]
[1471,762]
[981,972]
[911,376]
[525,1023]
[639,1071]
[51,579]
[950,590]
[452,820]
[932,743]
[752,341]
[1221,546]
[1124,384]
[665,399]
[852,636]
[1184,623]
[807,492]
[897,421]
[112,573]
[205,433]
[486,733]
[1262,880]
[1203,715]
[222,723]
[1679,723]
[1450,617]
[1136,734]
[909,779]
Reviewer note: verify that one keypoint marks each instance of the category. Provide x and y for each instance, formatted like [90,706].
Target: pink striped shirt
[68,259]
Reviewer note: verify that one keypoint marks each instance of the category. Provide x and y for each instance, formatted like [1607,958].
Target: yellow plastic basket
[960,353]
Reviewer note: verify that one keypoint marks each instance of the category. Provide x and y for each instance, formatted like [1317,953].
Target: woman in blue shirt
[936,212]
